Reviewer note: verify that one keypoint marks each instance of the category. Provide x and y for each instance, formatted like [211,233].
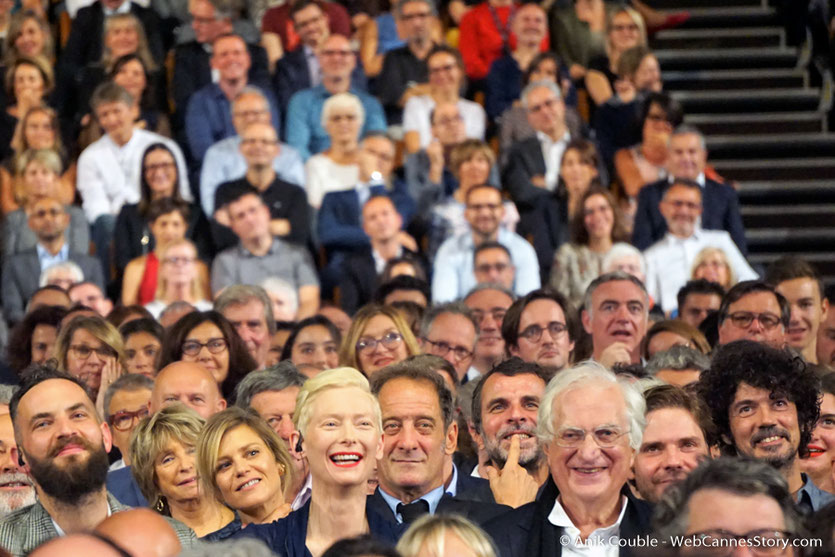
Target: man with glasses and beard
[505,407]
[62,443]
[765,403]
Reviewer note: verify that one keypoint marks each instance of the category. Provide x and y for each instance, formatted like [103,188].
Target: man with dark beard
[63,444]
[505,407]
[16,490]
[765,403]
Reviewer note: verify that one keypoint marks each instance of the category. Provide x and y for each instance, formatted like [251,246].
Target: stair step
[701,80]
[676,5]
[785,240]
[788,216]
[749,100]
[750,15]
[718,58]
[822,168]
[777,146]
[751,191]
[758,122]
[718,38]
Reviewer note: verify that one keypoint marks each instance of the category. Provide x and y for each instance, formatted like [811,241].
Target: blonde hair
[429,534]
[636,19]
[197,286]
[337,378]
[343,100]
[142,50]
[218,425]
[175,422]
[46,158]
[18,20]
[103,331]
[19,143]
[707,252]
[348,350]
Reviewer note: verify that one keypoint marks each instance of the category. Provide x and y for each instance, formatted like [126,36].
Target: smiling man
[754,310]
[16,489]
[489,304]
[540,328]
[765,404]
[419,434]
[63,445]
[802,287]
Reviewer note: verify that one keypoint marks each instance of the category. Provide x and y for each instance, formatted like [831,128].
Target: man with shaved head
[189,383]
[142,533]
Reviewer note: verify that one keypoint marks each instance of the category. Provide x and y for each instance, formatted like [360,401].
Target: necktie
[413,510]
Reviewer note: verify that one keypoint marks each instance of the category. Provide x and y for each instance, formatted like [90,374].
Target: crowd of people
[334,279]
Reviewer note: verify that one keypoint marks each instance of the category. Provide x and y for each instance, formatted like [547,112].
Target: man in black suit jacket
[48,219]
[192,69]
[687,159]
[592,422]
[420,435]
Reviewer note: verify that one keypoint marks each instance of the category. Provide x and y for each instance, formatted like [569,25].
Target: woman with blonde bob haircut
[339,431]
[712,264]
[162,449]
[379,336]
[445,534]
[242,461]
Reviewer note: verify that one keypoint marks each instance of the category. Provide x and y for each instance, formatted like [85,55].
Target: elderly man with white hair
[590,424]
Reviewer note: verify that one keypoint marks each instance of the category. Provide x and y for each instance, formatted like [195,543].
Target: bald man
[141,532]
[76,544]
[189,383]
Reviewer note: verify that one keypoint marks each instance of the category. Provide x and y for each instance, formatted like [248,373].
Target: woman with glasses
[163,452]
[179,278]
[242,462]
[133,236]
[379,336]
[91,349]
[208,338]
[143,346]
[313,342]
[446,80]
[595,231]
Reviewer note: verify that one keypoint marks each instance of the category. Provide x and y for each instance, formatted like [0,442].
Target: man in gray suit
[48,220]
[63,444]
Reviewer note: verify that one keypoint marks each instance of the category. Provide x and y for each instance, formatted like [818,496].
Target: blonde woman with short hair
[442,535]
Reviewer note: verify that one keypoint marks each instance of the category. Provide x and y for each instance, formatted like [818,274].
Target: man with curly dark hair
[765,403]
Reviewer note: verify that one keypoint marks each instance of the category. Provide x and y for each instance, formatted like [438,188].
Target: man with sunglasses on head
[540,328]
[669,259]
[754,310]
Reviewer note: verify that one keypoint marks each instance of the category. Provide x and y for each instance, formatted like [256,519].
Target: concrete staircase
[766,125]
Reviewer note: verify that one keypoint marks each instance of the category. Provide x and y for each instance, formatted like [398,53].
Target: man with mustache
[16,490]
[62,444]
[505,406]
[676,439]
[765,403]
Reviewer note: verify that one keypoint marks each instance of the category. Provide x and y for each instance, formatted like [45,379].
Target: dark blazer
[720,212]
[523,162]
[358,279]
[192,72]
[474,489]
[20,279]
[123,486]
[287,536]
[526,532]
[86,40]
[480,513]
[292,75]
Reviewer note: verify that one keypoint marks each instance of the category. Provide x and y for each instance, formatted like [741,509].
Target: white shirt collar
[558,517]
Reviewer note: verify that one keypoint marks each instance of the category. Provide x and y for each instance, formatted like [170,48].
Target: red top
[148,286]
[277,20]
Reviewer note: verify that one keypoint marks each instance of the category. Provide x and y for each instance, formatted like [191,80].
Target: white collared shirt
[596,545]
[552,152]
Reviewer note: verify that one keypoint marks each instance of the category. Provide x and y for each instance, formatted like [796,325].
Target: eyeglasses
[606,437]
[82,351]
[743,319]
[419,15]
[487,267]
[550,103]
[439,69]
[123,421]
[534,332]
[442,348]
[721,543]
[347,117]
[47,212]
[178,260]
[630,27]
[159,166]
[214,345]
[389,341]
[450,121]
[337,52]
[496,313]
[480,206]
[258,141]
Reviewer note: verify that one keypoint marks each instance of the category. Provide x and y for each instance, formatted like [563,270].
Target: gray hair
[619,250]
[429,3]
[740,476]
[224,9]
[455,308]
[240,294]
[491,286]
[6,393]
[128,382]
[585,374]
[550,85]
[343,100]
[237,547]
[174,307]
[282,288]
[687,129]
[70,266]
[281,376]
[253,91]
[613,277]
[678,358]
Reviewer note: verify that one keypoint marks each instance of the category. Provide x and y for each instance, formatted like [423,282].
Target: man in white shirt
[110,169]
[669,260]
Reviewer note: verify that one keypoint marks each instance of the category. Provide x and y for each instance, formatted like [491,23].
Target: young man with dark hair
[540,328]
[698,298]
